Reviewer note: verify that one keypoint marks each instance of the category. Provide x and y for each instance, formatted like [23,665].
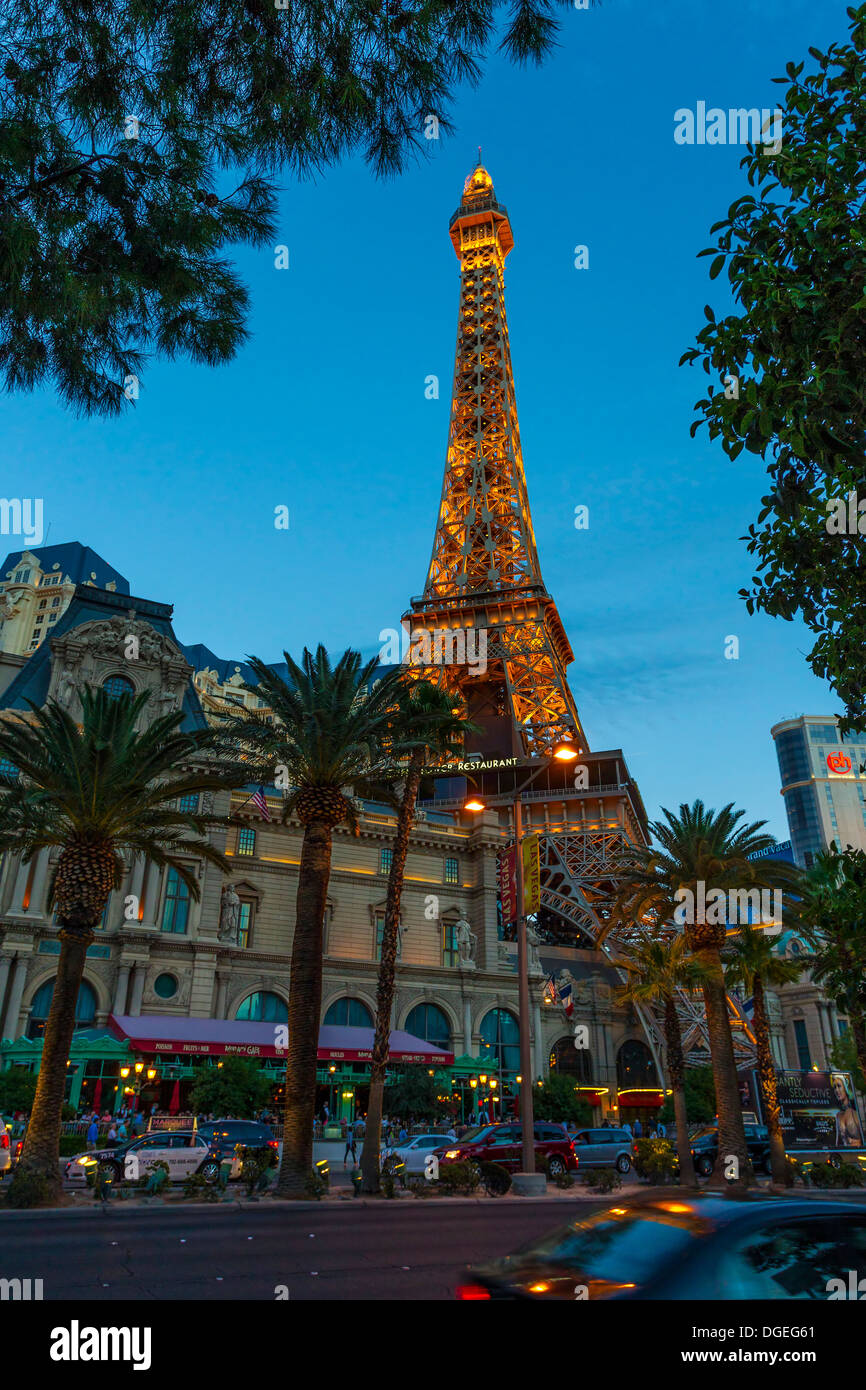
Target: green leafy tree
[330,734]
[795,254]
[657,967]
[700,1093]
[710,848]
[752,962]
[832,914]
[17,1089]
[558,1101]
[138,141]
[102,791]
[412,1096]
[428,724]
[843,1057]
[238,1088]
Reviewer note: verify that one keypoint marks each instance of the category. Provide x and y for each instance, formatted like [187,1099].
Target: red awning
[234,1037]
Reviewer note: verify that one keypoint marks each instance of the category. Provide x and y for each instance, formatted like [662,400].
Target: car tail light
[4,1141]
[273,1144]
[472,1292]
[573,1146]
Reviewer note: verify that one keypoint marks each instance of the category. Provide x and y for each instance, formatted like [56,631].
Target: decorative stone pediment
[127,647]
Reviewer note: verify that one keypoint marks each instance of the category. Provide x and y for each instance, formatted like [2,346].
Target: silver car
[413,1152]
[603,1148]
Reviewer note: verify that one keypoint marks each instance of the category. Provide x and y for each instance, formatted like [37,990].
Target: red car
[554,1151]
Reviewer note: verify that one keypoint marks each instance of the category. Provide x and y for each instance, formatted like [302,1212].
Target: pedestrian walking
[627,1128]
[92,1133]
[638,1128]
[661,1132]
[350,1144]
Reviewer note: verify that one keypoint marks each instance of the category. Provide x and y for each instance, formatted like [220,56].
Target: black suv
[705,1148]
[224,1137]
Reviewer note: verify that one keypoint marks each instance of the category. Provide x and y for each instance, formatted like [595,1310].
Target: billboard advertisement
[818,1108]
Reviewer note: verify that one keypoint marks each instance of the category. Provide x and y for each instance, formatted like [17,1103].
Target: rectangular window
[452,871]
[801,1038]
[175,909]
[189,804]
[386,859]
[246,840]
[245,925]
[450,953]
[55,602]
[380,932]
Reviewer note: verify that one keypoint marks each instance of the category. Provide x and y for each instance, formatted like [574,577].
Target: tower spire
[484,571]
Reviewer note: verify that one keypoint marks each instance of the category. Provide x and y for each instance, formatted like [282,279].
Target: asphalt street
[405,1250]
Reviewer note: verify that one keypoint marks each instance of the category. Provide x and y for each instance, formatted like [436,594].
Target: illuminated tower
[484,573]
[485,579]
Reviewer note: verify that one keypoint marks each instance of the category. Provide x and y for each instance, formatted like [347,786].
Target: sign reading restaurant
[485,765]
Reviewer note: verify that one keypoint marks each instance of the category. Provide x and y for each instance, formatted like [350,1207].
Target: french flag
[566,1000]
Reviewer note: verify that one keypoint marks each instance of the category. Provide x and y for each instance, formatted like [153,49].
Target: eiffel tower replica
[485,578]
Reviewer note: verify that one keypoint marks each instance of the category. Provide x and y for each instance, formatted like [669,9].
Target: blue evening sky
[324,410]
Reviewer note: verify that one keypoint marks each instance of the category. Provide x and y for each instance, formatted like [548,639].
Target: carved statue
[230,911]
[533,941]
[466,940]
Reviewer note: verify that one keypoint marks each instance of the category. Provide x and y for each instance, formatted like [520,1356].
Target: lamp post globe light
[564,750]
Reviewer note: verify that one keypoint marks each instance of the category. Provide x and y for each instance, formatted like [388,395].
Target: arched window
[115,686]
[500,1041]
[428,1022]
[349,1013]
[571,1061]
[263,1007]
[85,1008]
[635,1065]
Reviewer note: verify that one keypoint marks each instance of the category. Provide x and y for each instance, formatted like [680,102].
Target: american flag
[258,800]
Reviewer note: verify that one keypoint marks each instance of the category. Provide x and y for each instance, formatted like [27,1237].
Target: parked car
[224,1137]
[705,1148]
[705,1247]
[5,1149]
[184,1151]
[412,1153]
[501,1143]
[604,1148]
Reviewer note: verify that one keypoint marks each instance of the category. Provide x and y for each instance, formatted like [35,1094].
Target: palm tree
[752,963]
[658,966]
[100,791]
[831,912]
[330,734]
[428,724]
[709,850]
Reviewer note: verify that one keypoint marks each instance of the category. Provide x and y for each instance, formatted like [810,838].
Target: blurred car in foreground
[412,1153]
[703,1247]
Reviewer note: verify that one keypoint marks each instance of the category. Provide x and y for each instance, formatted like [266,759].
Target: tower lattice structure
[485,577]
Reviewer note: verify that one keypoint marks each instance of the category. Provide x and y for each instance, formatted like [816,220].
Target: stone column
[121,989]
[5,967]
[222,989]
[467,1026]
[538,1051]
[151,895]
[37,890]
[16,993]
[136,882]
[16,906]
[137,989]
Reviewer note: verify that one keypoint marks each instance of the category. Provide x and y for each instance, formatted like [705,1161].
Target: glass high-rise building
[824,784]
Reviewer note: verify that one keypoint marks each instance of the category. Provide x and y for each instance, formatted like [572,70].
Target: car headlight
[452,1153]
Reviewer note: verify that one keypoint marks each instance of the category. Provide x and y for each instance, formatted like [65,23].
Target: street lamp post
[564,751]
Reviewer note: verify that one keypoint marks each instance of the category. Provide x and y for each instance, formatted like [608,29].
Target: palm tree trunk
[676,1072]
[732,1134]
[387,972]
[858,1031]
[39,1158]
[305,1003]
[767,1078]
